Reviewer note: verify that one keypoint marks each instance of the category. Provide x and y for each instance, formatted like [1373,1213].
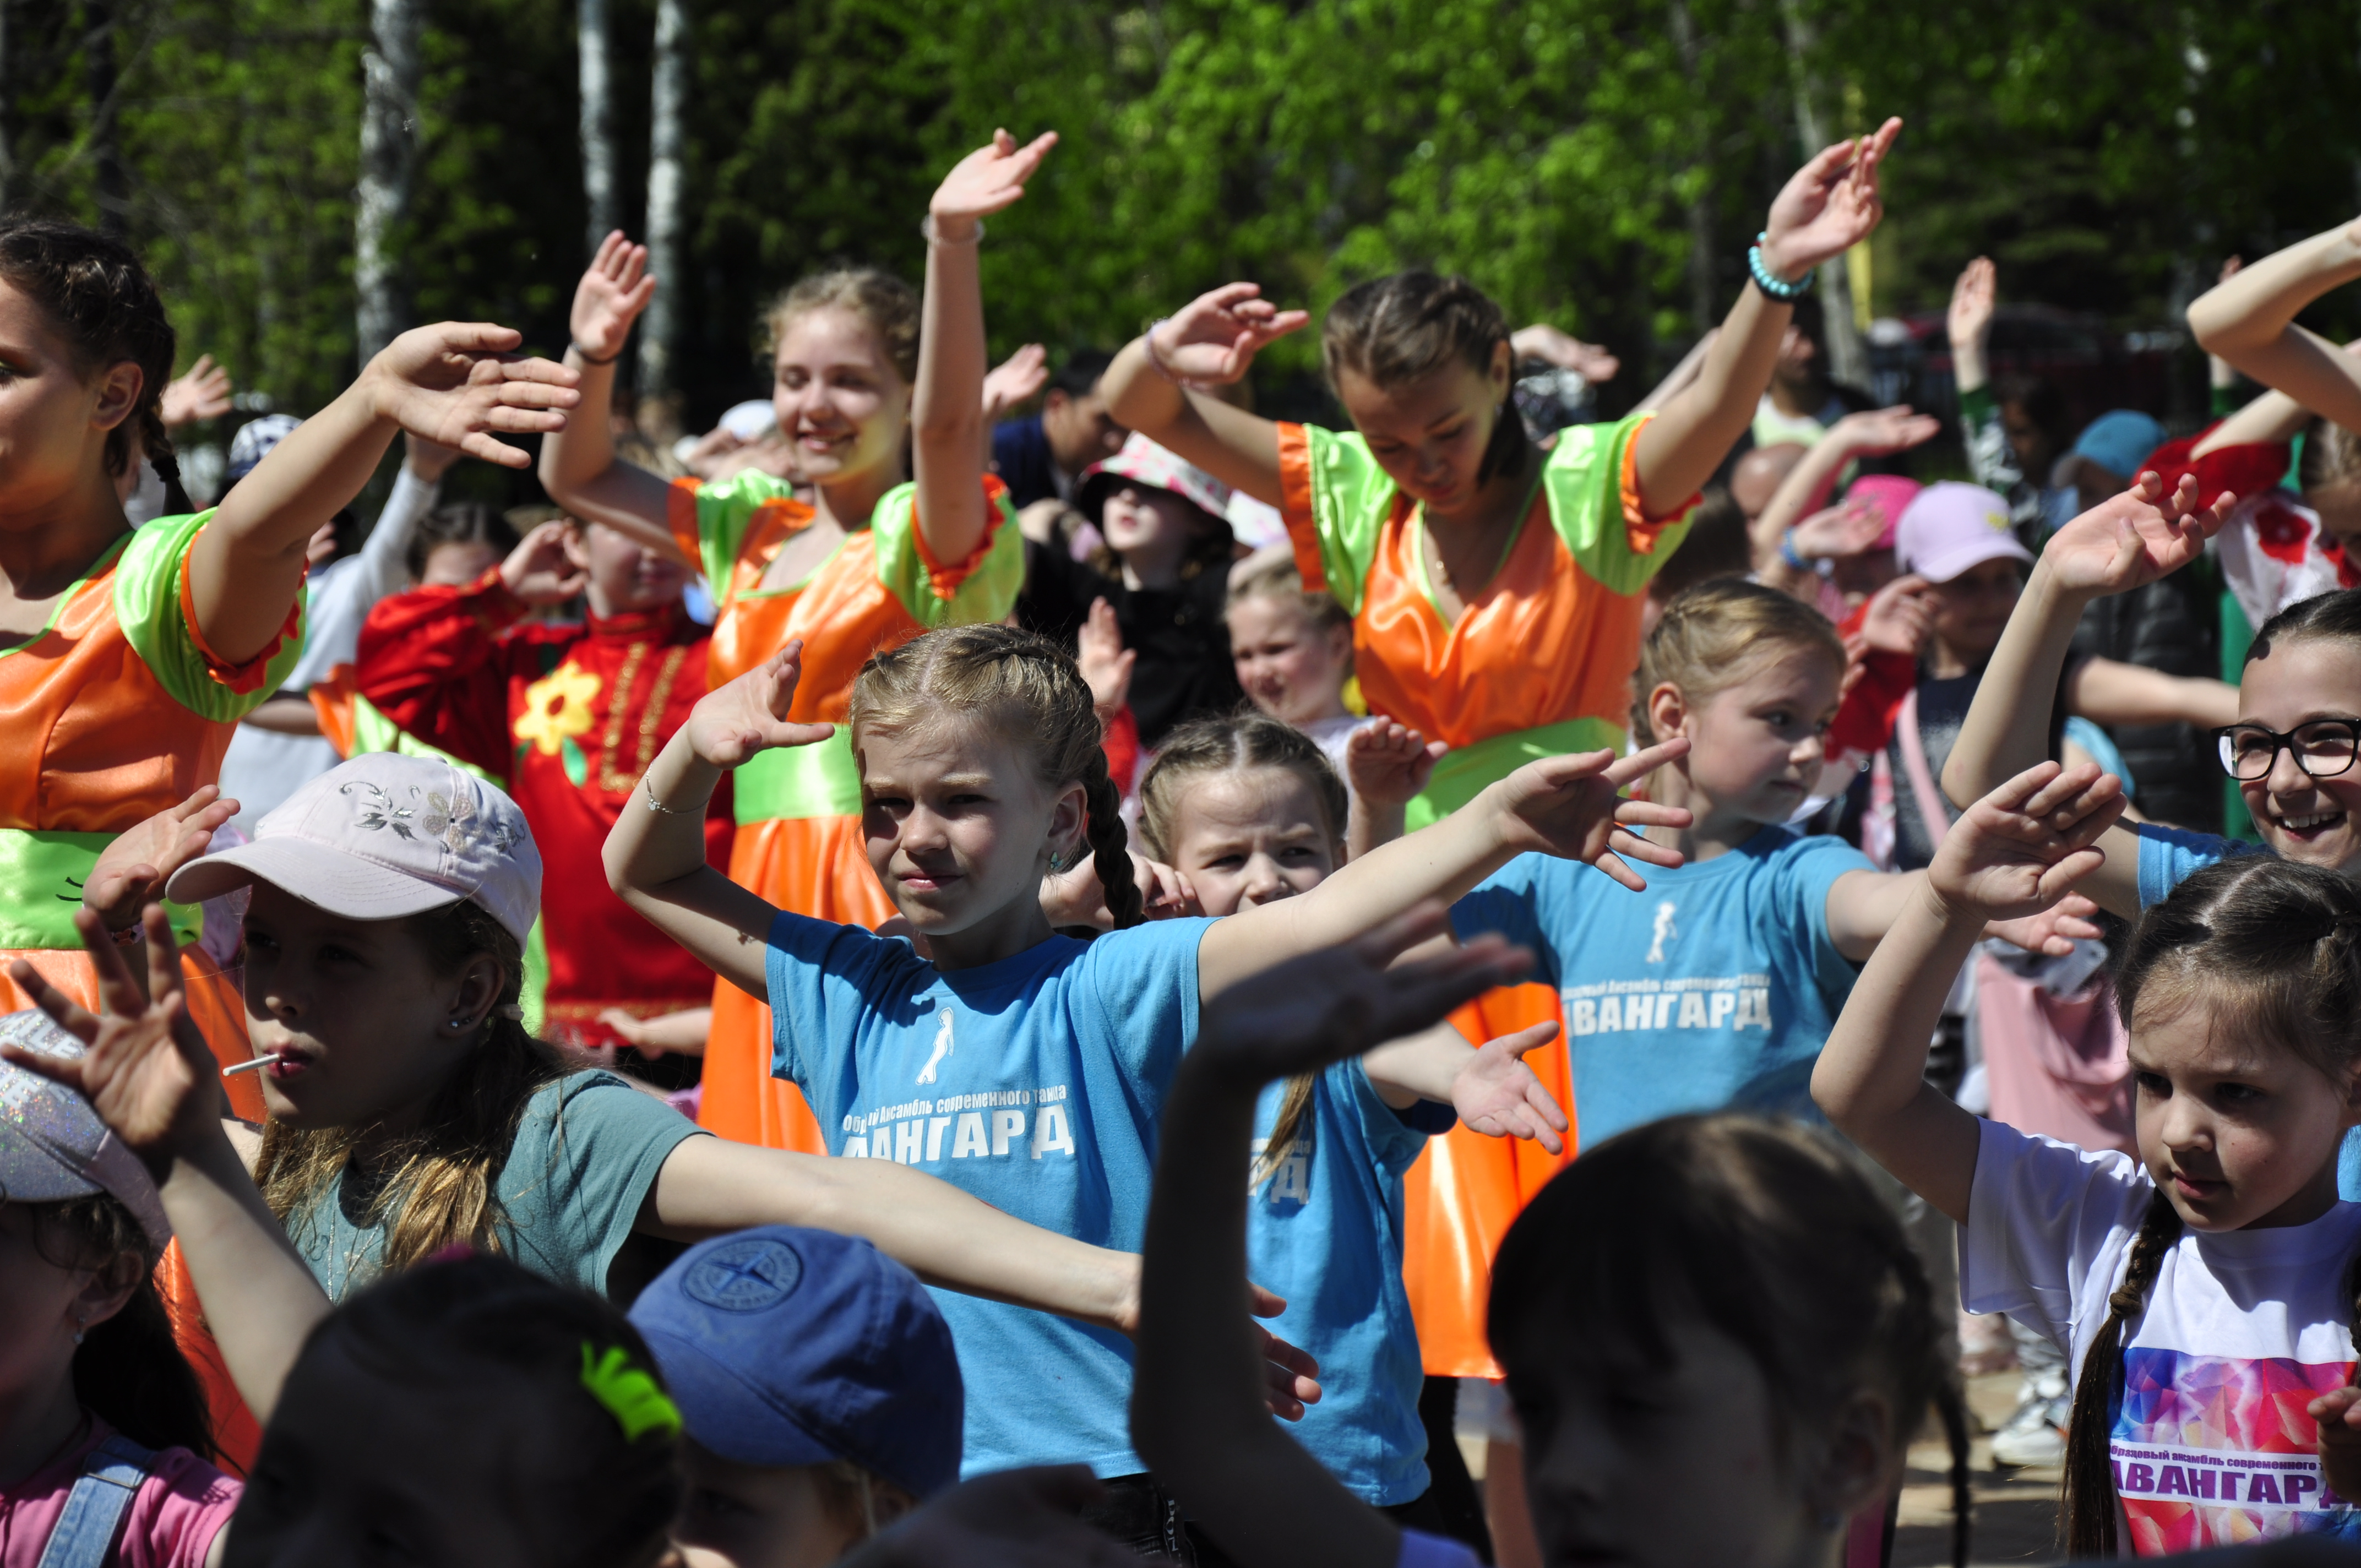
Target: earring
[1057,862]
[81,1323]
[459,1023]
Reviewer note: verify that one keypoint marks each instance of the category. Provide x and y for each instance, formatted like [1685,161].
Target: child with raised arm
[2204,1290]
[1025,1066]
[864,371]
[142,648]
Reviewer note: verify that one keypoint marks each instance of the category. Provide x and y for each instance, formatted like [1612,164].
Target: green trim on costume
[1351,498]
[789,782]
[1585,479]
[533,1000]
[1465,772]
[988,593]
[45,872]
[147,607]
[106,558]
[725,514]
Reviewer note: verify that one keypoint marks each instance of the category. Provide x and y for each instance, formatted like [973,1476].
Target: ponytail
[1109,842]
[156,443]
[2087,1489]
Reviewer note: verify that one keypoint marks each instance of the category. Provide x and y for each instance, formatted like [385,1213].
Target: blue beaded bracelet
[1785,293]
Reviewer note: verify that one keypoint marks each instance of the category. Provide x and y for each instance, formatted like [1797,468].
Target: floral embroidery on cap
[451,819]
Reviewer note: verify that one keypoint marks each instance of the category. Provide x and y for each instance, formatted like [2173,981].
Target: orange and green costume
[798,842]
[117,710]
[1537,664]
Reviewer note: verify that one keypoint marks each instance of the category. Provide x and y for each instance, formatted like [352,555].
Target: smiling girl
[881,395]
[2204,1290]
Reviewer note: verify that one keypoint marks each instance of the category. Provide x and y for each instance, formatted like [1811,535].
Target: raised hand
[145,1068]
[1497,1094]
[990,177]
[1553,347]
[456,382]
[1215,337]
[538,571]
[1830,204]
[2020,848]
[1388,764]
[733,722]
[1969,318]
[1573,807]
[1873,432]
[614,290]
[1014,380]
[1105,663]
[1836,533]
[144,856]
[1900,616]
[2055,930]
[2338,1411]
[202,393]
[2132,539]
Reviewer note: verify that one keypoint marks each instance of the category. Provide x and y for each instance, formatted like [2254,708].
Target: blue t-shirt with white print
[1324,1231]
[2168,857]
[1713,990]
[1034,1083]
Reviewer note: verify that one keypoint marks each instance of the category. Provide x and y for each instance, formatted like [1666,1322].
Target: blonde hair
[1277,578]
[1713,634]
[2331,457]
[1235,743]
[889,307]
[1029,691]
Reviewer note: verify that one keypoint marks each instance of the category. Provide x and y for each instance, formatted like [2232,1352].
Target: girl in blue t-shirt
[1026,1067]
[1246,810]
[1716,989]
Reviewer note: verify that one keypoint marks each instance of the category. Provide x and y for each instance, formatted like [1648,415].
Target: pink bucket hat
[1144,463]
[383,837]
[1953,528]
[1887,495]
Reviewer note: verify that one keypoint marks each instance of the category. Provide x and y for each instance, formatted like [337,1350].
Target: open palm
[614,290]
[990,177]
[1573,806]
[1873,432]
[1970,312]
[1216,335]
[456,382]
[145,855]
[2131,539]
[2023,847]
[749,714]
[1497,1095]
[1830,204]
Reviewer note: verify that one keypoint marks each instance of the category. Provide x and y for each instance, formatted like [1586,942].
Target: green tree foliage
[1561,152]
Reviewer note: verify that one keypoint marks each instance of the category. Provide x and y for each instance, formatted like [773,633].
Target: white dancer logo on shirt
[942,1046]
[1665,931]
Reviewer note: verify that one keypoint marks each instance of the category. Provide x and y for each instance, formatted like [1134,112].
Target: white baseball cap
[383,837]
[53,1146]
[1951,528]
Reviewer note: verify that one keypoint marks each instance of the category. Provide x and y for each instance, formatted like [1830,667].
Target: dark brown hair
[602,1499]
[2276,945]
[97,295]
[439,1183]
[1394,330]
[1756,1229]
[1030,692]
[127,1370]
[459,522]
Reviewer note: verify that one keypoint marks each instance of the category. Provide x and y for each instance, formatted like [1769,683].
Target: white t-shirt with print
[2241,1331]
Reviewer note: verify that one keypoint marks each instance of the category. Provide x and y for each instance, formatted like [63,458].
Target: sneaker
[2031,1438]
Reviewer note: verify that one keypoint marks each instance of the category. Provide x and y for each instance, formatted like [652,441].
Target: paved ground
[2015,1517]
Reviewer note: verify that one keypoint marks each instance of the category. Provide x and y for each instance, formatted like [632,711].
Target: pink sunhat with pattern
[1142,462]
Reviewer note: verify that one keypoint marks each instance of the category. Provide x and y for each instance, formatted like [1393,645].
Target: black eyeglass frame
[2285,742]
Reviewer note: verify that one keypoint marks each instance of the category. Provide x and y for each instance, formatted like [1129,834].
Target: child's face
[53,422]
[2301,817]
[2235,1131]
[1251,837]
[356,1012]
[1756,746]
[1292,666]
[625,575]
[1148,527]
[41,1301]
[1429,434]
[958,826]
[763,1516]
[1670,1467]
[839,400]
[429,1476]
[458,564]
[1972,610]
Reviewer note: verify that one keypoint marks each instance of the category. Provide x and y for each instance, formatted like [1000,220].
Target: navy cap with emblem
[788,1346]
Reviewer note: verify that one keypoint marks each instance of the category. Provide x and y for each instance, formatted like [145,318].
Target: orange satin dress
[798,842]
[1537,664]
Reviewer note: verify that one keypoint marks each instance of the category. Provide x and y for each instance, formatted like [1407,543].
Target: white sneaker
[2030,1438]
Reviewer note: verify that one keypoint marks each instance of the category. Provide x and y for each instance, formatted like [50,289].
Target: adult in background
[2014,427]
[1044,455]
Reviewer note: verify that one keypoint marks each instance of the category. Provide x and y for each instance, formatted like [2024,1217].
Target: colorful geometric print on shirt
[2210,1445]
[1033,1083]
[799,809]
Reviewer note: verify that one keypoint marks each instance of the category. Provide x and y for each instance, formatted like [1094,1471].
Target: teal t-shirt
[588,1148]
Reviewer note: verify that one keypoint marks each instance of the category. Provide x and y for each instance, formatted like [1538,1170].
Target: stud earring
[1057,862]
[79,1324]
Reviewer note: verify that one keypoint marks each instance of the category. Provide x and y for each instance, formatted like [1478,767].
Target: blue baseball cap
[789,1346]
[2119,441]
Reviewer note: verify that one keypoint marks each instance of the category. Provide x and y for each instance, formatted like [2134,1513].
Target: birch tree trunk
[1847,354]
[7,155]
[1700,202]
[598,121]
[660,328]
[388,164]
[113,190]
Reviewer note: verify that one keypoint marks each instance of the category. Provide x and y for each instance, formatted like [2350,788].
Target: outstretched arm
[1805,489]
[1212,341]
[1197,1407]
[578,465]
[455,383]
[2013,854]
[1567,806]
[1832,205]
[2248,319]
[1489,1085]
[148,1073]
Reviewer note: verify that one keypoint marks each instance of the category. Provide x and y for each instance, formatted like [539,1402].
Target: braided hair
[2277,945]
[1031,692]
[1756,1229]
[101,299]
[1395,330]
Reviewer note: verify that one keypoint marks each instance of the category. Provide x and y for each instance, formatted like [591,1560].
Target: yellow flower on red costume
[558,707]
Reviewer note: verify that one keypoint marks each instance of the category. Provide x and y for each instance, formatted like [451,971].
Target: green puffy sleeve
[709,523]
[982,588]
[1336,500]
[159,621]
[1593,504]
